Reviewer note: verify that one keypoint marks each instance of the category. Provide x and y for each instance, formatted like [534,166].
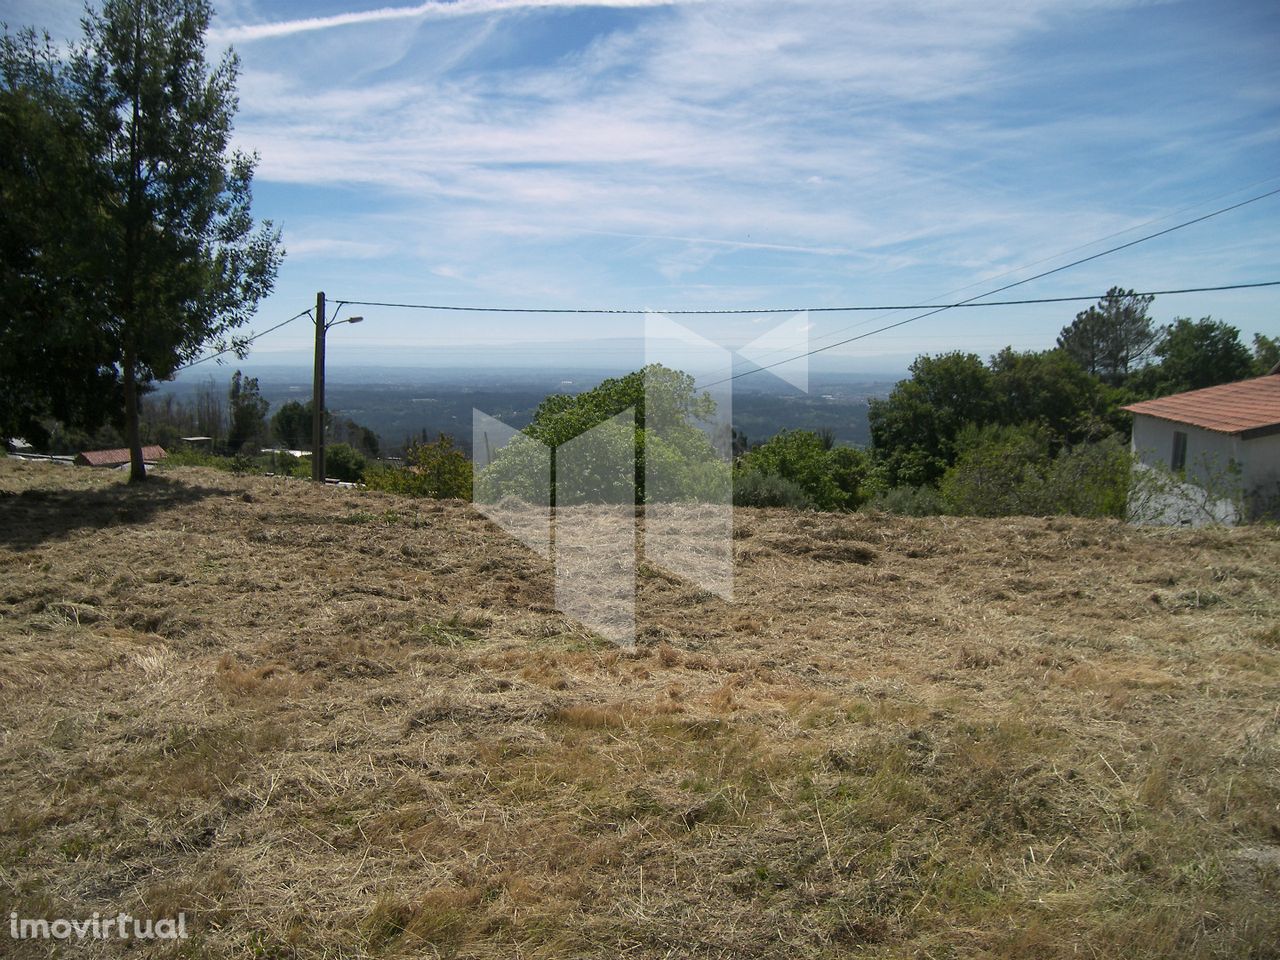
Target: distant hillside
[397,406]
[329,722]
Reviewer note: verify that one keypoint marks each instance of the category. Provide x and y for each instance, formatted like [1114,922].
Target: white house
[1222,446]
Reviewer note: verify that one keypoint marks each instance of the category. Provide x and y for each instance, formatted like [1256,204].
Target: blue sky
[735,154]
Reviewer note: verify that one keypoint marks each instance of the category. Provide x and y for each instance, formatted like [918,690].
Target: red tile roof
[116,458]
[1250,408]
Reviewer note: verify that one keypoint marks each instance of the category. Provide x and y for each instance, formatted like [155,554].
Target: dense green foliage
[830,477]
[914,430]
[437,469]
[344,462]
[1044,432]
[756,488]
[1050,389]
[291,425]
[907,501]
[1005,470]
[1195,354]
[1266,354]
[52,245]
[159,254]
[248,415]
[663,435]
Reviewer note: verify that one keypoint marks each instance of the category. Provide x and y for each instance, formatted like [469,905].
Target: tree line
[1021,432]
[231,421]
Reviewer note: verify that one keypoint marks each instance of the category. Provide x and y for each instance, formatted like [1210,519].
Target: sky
[701,154]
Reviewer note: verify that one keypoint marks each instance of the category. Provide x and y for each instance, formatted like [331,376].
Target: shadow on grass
[34,516]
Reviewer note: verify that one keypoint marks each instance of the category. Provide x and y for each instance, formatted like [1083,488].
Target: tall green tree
[1112,338]
[1049,388]
[291,424]
[669,411]
[55,355]
[248,412]
[914,430]
[167,199]
[1195,354]
[1266,354]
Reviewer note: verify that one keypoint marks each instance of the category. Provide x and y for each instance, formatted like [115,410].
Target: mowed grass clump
[331,722]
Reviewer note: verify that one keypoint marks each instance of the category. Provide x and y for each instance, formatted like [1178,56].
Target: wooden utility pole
[317,396]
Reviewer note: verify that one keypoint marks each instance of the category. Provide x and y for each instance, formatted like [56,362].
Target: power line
[1035,263]
[886,307]
[991,293]
[1097,240]
[931,309]
[852,309]
[212,356]
[935,307]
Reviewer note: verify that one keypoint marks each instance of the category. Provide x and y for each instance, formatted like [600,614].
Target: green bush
[1090,479]
[1000,471]
[756,488]
[191,457]
[343,462]
[832,478]
[439,470]
[1006,471]
[907,502]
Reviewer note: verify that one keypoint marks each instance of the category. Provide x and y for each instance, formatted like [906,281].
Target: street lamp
[317,389]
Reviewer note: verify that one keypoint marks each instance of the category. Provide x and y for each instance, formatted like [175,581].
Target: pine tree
[1113,337]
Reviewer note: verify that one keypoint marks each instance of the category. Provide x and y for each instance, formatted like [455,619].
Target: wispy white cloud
[430,10]
[721,152]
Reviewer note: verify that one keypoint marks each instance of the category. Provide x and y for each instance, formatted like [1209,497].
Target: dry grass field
[333,723]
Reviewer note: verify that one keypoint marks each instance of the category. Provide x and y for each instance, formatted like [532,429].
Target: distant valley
[401,404]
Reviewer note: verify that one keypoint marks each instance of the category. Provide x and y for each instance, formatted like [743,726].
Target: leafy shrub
[757,488]
[439,470]
[344,462]
[521,470]
[907,501]
[999,472]
[192,457]
[1090,479]
[1005,471]
[832,478]
[443,468]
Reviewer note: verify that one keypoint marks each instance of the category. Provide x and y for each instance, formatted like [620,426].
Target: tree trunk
[137,469]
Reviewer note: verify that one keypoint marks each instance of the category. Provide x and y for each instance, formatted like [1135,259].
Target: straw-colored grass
[334,723]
